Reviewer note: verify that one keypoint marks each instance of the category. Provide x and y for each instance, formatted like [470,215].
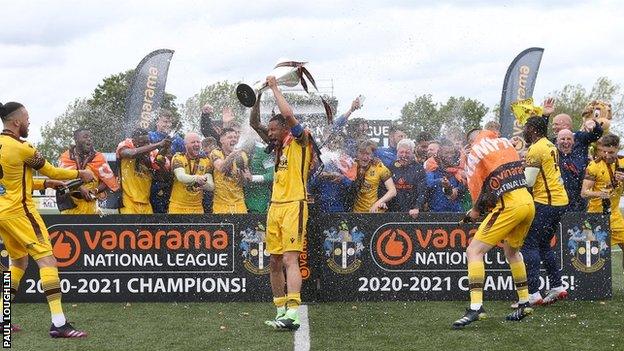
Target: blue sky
[55,52]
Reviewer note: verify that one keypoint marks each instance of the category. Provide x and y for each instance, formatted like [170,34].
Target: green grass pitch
[566,325]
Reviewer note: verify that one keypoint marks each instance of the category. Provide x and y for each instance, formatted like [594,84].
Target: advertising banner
[348,257]
[382,257]
[147,90]
[518,85]
[159,258]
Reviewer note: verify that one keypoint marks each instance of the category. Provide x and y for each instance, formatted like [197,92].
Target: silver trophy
[287,73]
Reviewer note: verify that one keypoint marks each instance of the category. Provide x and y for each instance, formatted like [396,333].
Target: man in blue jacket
[445,179]
[409,179]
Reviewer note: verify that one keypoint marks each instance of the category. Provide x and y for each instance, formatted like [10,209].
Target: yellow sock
[294,300]
[280,301]
[52,289]
[476,277]
[518,272]
[16,276]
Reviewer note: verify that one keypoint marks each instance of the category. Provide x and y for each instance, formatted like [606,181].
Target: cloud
[54,52]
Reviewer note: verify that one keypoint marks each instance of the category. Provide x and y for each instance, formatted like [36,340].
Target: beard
[23,131]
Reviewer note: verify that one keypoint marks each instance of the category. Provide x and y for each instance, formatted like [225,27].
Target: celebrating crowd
[222,174]
[522,194]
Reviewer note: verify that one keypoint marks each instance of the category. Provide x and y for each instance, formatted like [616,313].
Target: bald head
[561,121]
[192,142]
[190,137]
[565,141]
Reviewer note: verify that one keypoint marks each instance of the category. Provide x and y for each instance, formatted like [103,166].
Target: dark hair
[469,134]
[139,132]
[365,144]
[232,124]
[163,112]
[279,119]
[224,131]
[423,136]
[539,124]
[208,141]
[80,130]
[446,142]
[493,125]
[609,140]
[8,108]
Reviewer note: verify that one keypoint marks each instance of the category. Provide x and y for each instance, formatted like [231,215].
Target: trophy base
[246,95]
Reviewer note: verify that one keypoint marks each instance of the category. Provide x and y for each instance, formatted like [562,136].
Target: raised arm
[206,125]
[344,118]
[282,104]
[134,152]
[256,123]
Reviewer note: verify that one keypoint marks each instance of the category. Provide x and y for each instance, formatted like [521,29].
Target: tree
[461,113]
[57,135]
[423,114]
[102,113]
[572,99]
[420,115]
[220,95]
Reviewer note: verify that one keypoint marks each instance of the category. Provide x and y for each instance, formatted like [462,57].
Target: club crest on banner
[343,248]
[255,254]
[588,247]
[4,256]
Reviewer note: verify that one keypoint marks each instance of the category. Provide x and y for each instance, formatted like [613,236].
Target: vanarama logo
[304,260]
[145,239]
[394,247]
[107,245]
[66,247]
[411,247]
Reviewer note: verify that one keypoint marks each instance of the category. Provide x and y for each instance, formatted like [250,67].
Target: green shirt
[258,195]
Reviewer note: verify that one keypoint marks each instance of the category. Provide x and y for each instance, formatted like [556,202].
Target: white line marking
[302,335]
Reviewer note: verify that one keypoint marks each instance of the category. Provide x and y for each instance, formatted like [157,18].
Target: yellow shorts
[219,208]
[286,227]
[175,208]
[617,228]
[135,208]
[26,235]
[82,207]
[510,223]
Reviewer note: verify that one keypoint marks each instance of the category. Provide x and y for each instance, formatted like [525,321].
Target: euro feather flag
[518,85]
[147,90]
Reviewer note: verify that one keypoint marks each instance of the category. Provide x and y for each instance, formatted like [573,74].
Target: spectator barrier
[366,257]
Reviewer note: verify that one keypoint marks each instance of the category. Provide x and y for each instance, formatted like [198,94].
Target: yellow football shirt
[188,195]
[228,189]
[292,169]
[17,160]
[601,173]
[548,188]
[99,167]
[136,181]
[366,195]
